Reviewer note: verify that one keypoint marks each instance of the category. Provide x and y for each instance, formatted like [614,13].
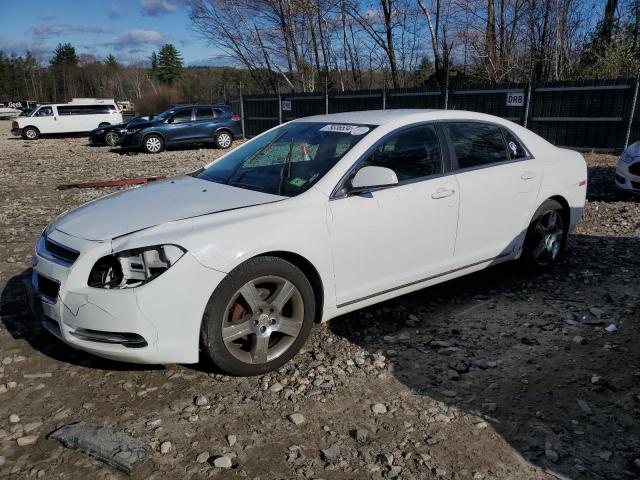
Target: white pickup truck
[79,115]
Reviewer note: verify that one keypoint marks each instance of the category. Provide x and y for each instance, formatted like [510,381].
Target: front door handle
[528,175]
[442,193]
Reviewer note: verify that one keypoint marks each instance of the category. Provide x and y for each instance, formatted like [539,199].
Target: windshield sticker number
[340,128]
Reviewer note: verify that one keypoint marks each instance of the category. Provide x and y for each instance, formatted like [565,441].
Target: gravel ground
[497,375]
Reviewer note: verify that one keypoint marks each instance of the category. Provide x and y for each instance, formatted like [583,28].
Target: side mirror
[372,177]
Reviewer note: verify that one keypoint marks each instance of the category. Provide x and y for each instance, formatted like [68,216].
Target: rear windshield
[287,160]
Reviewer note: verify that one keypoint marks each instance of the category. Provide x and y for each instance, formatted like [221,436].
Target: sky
[129,29]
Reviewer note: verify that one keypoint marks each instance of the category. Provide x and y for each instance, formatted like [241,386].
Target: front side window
[44,112]
[287,160]
[413,153]
[182,116]
[477,144]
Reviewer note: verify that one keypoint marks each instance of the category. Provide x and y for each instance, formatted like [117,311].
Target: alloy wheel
[31,133]
[263,319]
[111,138]
[153,144]
[549,233]
[224,140]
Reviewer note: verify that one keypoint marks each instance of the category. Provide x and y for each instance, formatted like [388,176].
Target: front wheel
[30,133]
[153,144]
[546,237]
[111,138]
[223,139]
[259,317]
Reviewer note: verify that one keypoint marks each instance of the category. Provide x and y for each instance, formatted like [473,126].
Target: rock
[360,434]
[276,387]
[202,457]
[296,418]
[551,455]
[231,440]
[201,401]
[29,427]
[449,393]
[165,447]
[27,440]
[611,328]
[223,462]
[2,460]
[332,453]
[460,367]
[14,418]
[604,455]
[378,408]
[596,312]
[636,464]
[585,407]
[579,340]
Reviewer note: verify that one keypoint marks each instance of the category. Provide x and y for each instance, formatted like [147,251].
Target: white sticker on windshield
[359,130]
[340,128]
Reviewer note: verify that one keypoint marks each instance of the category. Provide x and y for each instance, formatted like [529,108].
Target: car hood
[153,204]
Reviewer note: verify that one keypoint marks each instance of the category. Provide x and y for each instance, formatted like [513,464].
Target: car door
[45,119]
[388,238]
[203,128]
[499,183]
[180,126]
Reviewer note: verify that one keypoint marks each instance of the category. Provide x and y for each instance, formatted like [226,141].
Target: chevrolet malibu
[308,221]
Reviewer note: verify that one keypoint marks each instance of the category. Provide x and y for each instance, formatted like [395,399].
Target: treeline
[305,45]
[300,43]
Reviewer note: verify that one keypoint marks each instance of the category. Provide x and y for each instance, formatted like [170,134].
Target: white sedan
[308,221]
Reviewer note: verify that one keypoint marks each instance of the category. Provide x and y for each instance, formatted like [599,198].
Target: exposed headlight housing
[98,131]
[134,268]
[133,130]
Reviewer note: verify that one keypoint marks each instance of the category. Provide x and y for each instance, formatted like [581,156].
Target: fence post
[384,98]
[326,97]
[242,112]
[446,90]
[279,108]
[633,112]
[526,106]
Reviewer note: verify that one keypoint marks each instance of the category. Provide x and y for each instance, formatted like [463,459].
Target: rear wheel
[111,138]
[153,143]
[30,133]
[546,237]
[223,139]
[259,317]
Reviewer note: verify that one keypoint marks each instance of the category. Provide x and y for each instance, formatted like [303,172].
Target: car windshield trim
[287,160]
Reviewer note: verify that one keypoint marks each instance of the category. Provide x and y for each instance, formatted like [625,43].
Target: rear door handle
[442,193]
[528,175]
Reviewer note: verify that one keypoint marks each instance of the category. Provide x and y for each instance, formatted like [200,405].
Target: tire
[153,143]
[546,238]
[30,133]
[111,139]
[275,324]
[223,139]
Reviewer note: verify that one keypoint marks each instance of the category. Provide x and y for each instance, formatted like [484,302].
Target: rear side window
[86,109]
[514,147]
[411,154]
[219,112]
[477,144]
[204,113]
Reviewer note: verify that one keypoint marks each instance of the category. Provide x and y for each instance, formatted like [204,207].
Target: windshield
[289,159]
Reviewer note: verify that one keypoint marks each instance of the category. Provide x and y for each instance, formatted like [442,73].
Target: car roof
[381,117]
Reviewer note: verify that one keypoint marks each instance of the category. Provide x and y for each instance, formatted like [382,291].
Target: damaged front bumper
[156,323]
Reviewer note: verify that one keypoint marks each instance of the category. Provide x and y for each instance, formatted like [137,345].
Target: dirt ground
[497,375]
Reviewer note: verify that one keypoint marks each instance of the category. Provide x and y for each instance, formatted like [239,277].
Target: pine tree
[169,64]
[111,63]
[64,55]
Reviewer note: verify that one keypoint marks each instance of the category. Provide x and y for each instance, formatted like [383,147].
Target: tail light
[235,117]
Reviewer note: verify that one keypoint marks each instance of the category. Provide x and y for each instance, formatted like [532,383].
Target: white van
[79,115]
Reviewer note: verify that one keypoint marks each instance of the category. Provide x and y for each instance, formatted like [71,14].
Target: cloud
[48,30]
[137,41]
[39,50]
[115,12]
[155,8]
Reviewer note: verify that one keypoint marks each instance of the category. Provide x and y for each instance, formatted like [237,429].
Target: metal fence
[601,115]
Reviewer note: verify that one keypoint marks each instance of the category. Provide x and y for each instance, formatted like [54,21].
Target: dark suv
[184,124]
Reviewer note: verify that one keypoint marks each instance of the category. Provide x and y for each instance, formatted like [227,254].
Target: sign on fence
[286,105]
[515,98]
